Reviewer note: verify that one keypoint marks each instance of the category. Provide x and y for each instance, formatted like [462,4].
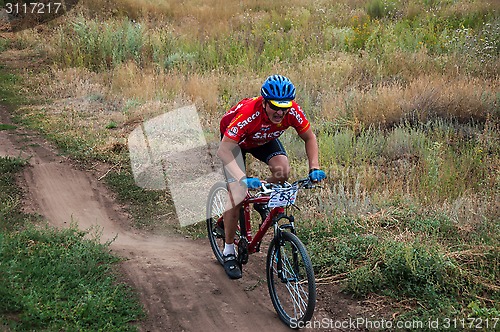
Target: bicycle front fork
[279,243]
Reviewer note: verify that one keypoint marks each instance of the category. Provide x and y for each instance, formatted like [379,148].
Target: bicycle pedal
[243,251]
[242,256]
[243,259]
[218,229]
[219,232]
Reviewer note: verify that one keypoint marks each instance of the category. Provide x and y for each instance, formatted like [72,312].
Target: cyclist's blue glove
[251,183]
[316,175]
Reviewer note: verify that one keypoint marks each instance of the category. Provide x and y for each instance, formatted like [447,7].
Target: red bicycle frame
[254,241]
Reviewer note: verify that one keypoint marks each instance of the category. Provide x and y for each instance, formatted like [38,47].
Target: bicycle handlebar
[305,183]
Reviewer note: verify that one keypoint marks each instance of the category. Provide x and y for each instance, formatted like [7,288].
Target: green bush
[4,43]
[101,45]
[412,270]
[379,9]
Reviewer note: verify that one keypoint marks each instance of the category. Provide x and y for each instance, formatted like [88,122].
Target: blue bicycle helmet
[278,90]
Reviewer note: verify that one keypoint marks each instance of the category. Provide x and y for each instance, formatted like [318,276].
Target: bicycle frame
[245,225]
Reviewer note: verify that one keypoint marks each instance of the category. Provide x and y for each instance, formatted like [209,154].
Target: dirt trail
[179,282]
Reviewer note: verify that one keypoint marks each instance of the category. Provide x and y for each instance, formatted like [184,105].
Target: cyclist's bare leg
[232,212]
[231,223]
[280,169]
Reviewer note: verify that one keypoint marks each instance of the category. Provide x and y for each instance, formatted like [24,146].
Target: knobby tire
[294,294]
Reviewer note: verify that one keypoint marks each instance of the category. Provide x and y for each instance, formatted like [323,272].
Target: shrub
[405,270]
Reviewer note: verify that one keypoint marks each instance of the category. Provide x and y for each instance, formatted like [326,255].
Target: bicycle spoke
[294,286]
[298,300]
[219,203]
[215,208]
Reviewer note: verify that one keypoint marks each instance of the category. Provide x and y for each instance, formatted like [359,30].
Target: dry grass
[198,18]
[335,85]
[422,99]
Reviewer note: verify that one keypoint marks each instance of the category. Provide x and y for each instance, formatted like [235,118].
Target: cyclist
[253,126]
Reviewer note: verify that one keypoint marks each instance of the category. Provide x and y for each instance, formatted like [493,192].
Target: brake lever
[309,185]
[265,190]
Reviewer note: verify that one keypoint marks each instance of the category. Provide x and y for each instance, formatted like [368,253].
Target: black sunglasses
[276,108]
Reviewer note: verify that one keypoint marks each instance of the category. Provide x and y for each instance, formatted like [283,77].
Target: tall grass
[416,160]
[261,37]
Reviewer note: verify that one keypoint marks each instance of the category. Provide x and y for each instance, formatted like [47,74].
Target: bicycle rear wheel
[293,289]
[216,205]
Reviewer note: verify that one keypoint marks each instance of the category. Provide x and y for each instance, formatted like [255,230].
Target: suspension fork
[278,243]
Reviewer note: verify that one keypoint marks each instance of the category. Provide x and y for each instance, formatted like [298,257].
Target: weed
[56,279]
[483,312]
[4,44]
[379,9]
[5,126]
[111,125]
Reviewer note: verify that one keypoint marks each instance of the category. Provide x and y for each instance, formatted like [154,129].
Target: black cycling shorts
[264,153]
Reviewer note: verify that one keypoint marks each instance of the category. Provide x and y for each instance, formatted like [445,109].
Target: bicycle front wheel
[290,279]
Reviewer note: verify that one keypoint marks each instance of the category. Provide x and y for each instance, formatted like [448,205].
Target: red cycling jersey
[248,124]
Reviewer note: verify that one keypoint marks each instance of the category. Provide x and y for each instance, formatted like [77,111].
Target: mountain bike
[289,271]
